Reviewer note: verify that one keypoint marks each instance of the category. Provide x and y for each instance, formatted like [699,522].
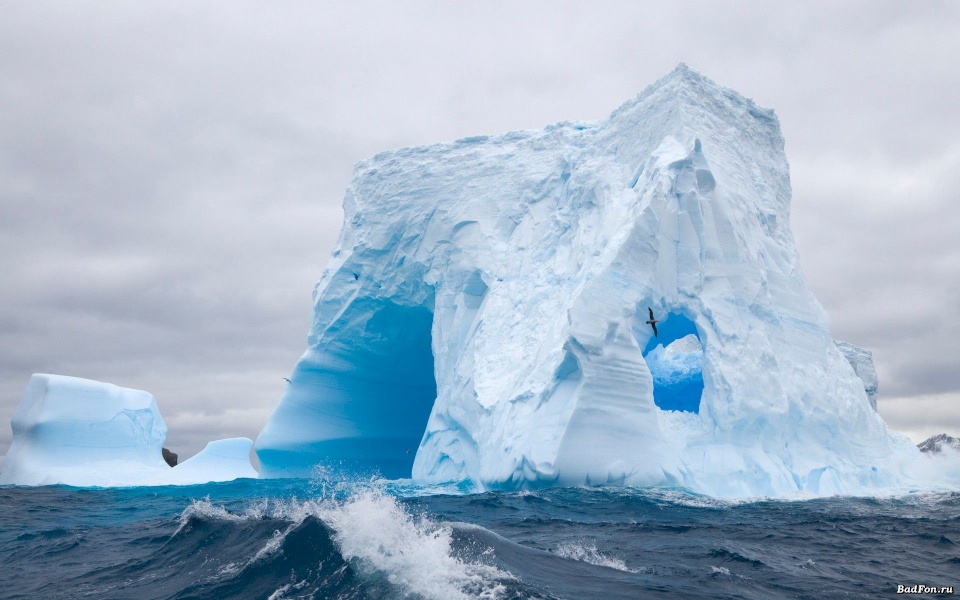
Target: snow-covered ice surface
[81,432]
[482,319]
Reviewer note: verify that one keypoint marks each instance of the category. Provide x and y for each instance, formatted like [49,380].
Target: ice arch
[373,388]
[675,360]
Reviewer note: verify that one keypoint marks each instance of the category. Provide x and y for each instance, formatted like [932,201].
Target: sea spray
[414,553]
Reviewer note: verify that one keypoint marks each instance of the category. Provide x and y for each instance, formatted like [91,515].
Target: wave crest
[376,536]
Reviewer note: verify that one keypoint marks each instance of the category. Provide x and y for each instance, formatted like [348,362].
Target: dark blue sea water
[306,539]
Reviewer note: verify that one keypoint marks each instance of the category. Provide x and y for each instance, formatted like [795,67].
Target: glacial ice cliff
[82,432]
[482,318]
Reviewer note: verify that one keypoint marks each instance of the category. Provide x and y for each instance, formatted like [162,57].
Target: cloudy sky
[171,173]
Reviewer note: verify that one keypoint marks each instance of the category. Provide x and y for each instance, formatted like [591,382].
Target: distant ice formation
[81,432]
[483,317]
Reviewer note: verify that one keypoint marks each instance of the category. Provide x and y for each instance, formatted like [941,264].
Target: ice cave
[378,392]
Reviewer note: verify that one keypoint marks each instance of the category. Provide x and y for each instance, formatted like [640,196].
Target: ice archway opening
[675,360]
[373,388]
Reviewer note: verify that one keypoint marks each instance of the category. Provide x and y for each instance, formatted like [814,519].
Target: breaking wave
[365,545]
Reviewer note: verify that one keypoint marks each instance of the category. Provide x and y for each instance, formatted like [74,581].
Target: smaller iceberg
[81,432]
[221,460]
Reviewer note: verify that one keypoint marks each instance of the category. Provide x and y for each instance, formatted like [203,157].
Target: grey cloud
[923,416]
[171,174]
[879,249]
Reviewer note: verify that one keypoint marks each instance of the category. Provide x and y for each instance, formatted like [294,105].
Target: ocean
[375,539]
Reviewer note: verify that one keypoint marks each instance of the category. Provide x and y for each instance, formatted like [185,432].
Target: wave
[369,545]
[366,545]
[373,539]
[552,573]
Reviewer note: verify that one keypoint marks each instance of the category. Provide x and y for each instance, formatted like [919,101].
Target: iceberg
[483,317]
[81,432]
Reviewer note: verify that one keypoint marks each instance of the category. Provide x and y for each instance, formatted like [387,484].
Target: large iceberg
[81,432]
[483,317]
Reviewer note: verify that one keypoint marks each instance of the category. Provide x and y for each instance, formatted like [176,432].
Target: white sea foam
[292,588]
[719,570]
[205,509]
[588,553]
[279,593]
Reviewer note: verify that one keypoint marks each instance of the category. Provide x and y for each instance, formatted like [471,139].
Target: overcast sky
[171,173]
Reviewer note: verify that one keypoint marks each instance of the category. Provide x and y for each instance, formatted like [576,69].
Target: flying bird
[287,380]
[652,322]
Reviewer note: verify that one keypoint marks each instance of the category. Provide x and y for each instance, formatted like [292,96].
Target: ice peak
[683,73]
[682,76]
[685,91]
